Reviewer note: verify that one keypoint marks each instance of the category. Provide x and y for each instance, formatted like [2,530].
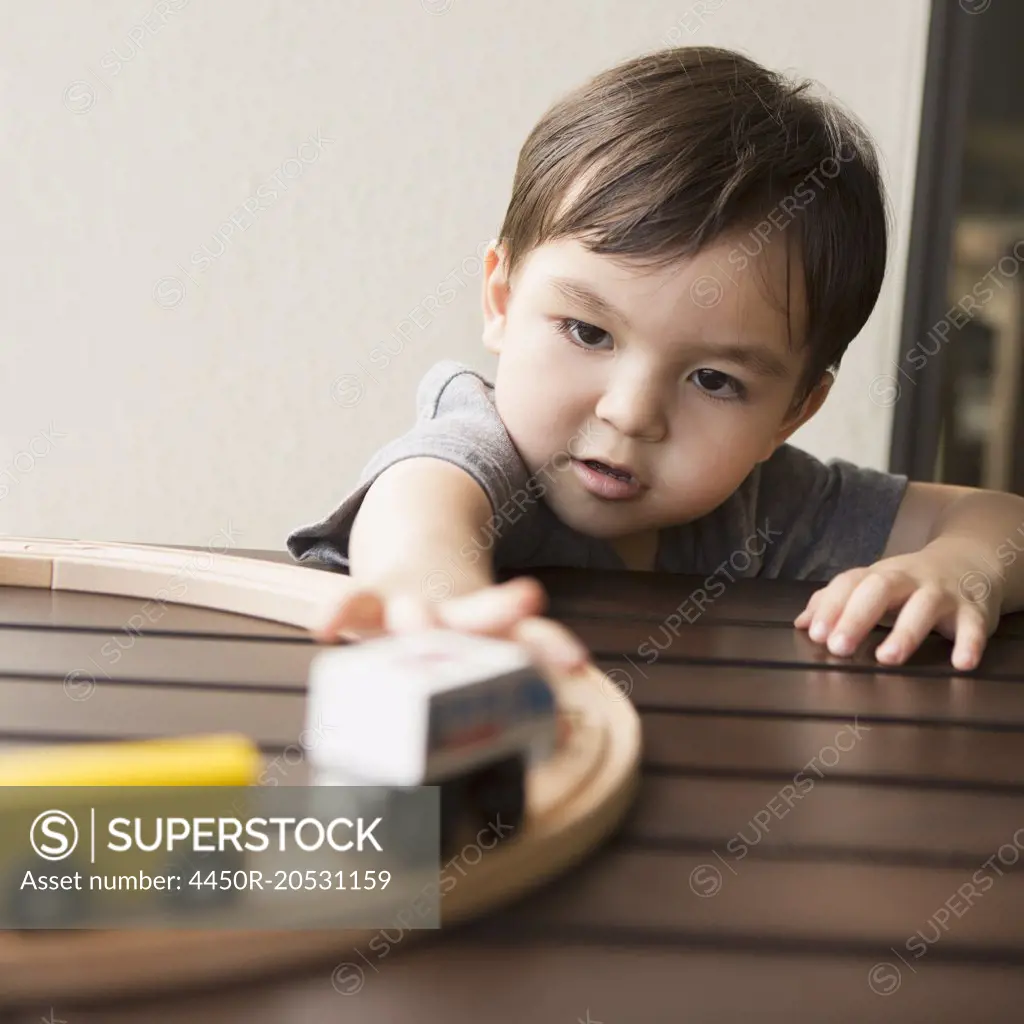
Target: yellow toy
[214,759]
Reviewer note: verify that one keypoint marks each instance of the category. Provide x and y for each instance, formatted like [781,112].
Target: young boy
[691,244]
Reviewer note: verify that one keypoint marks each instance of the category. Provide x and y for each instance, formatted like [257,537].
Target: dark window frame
[917,413]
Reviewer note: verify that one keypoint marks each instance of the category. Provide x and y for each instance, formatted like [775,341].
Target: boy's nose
[633,407]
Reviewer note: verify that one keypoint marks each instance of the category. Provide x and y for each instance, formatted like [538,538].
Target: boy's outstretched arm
[413,532]
[411,552]
[950,564]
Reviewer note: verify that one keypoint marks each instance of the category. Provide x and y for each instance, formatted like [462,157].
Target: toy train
[469,714]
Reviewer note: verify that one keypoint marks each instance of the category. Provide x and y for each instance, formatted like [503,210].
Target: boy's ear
[495,296]
[811,404]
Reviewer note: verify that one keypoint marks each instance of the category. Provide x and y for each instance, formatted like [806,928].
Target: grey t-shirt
[793,517]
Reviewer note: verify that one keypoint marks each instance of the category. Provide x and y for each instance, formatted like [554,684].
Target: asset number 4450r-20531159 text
[290,880]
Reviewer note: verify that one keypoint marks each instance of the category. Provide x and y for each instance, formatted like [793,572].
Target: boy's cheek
[535,422]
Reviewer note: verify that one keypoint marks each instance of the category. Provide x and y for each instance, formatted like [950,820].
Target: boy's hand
[941,587]
[509,610]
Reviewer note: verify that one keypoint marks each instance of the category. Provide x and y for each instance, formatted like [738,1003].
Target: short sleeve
[823,518]
[456,420]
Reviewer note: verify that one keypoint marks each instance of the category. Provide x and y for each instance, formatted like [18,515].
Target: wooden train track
[574,801]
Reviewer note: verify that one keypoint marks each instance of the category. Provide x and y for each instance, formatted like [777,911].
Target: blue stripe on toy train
[484,712]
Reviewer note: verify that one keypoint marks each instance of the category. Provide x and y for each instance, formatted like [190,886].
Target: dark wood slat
[810,692]
[636,642]
[743,818]
[463,979]
[649,595]
[654,596]
[124,655]
[28,707]
[772,903]
[953,754]
[28,606]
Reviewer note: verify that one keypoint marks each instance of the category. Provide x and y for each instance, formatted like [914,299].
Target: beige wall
[365,152]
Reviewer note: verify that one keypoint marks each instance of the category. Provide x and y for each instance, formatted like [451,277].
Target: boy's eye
[581,333]
[714,384]
[711,382]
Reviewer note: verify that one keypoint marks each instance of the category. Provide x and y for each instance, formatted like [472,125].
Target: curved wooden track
[574,801]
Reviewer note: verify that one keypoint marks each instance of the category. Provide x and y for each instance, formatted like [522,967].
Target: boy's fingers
[970,639]
[550,644]
[922,610]
[359,610]
[827,603]
[494,609]
[862,607]
[405,613]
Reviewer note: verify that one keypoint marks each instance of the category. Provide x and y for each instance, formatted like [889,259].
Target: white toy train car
[467,713]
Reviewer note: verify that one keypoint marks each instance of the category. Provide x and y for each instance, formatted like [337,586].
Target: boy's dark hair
[658,157]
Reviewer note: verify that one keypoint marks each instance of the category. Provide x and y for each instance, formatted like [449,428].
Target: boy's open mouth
[607,470]
[609,483]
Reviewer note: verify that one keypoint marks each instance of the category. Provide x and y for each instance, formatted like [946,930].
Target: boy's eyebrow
[757,360]
[577,291]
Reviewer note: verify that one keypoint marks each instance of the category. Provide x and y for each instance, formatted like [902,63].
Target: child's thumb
[357,611]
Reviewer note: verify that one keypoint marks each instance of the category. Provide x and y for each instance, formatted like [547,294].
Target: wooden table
[816,839]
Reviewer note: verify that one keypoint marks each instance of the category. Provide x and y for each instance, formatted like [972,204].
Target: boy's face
[651,387]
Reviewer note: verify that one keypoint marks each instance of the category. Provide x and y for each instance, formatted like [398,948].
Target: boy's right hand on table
[509,611]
